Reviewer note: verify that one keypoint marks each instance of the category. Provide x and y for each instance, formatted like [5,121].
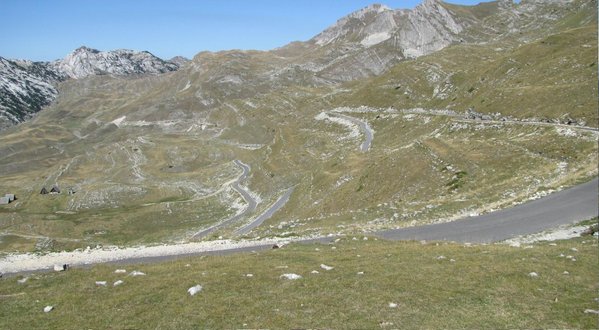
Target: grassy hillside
[151,159]
[550,79]
[433,286]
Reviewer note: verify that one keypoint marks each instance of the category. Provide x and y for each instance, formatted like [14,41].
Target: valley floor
[562,208]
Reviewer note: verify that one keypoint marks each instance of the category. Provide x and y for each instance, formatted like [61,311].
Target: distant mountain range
[26,86]
[363,44]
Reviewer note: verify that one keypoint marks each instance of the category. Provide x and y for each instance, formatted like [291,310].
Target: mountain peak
[85,61]
[85,49]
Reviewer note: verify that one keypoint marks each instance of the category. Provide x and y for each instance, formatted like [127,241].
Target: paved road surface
[266,215]
[246,196]
[364,127]
[565,207]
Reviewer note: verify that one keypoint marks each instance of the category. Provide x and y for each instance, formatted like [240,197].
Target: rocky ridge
[26,86]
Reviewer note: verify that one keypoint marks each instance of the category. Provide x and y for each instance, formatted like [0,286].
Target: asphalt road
[565,207]
[246,196]
[364,127]
[266,215]
[568,206]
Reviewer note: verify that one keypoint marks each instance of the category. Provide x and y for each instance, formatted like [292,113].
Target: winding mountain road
[565,207]
[364,127]
[251,203]
[267,214]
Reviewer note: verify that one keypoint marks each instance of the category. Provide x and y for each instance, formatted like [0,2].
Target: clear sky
[44,30]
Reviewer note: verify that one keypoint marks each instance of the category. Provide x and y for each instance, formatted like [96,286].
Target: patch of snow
[393,305]
[101,283]
[120,271]
[23,280]
[117,283]
[533,274]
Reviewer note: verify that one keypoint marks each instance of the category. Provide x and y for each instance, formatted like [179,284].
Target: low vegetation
[373,284]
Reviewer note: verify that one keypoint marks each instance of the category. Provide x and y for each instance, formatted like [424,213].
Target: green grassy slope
[434,286]
[164,170]
[550,79]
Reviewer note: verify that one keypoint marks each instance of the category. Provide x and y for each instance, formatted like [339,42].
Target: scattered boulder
[101,283]
[314,272]
[291,276]
[325,267]
[194,290]
[393,305]
[23,280]
[48,309]
[137,273]
[533,274]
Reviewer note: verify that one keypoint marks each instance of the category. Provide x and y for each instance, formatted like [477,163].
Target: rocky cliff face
[369,41]
[86,61]
[26,87]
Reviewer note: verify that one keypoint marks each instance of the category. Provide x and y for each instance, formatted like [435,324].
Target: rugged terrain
[389,118]
[26,87]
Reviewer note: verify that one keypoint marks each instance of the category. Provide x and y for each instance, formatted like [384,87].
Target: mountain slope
[26,87]
[231,134]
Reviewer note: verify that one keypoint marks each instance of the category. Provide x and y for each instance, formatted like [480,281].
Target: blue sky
[44,30]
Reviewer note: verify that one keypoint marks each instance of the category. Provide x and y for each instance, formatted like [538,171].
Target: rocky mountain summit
[363,44]
[26,86]
[85,61]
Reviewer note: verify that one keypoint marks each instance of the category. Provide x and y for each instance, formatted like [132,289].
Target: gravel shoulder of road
[26,262]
